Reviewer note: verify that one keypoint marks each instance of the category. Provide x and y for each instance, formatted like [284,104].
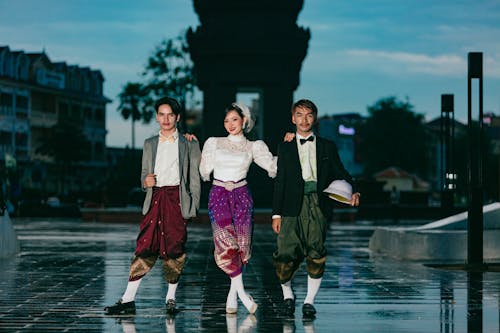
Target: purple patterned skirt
[231,215]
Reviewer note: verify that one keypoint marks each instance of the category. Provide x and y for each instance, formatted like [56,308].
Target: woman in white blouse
[230,205]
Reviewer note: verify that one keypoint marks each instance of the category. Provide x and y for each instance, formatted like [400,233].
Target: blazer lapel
[295,155]
[182,153]
[153,150]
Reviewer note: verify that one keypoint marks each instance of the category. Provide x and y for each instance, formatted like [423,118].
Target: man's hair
[174,105]
[306,104]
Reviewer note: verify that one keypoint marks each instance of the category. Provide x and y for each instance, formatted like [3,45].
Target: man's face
[304,120]
[166,118]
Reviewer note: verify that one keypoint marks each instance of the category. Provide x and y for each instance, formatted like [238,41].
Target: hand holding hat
[341,191]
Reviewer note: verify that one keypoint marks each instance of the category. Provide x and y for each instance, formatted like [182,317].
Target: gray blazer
[189,161]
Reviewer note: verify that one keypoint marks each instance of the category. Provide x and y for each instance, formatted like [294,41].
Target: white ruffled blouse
[229,158]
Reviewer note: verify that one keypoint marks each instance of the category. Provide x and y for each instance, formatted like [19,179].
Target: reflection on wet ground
[68,271]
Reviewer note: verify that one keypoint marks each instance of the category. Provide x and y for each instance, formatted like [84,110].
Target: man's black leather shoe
[120,308]
[288,307]
[170,306]
[308,310]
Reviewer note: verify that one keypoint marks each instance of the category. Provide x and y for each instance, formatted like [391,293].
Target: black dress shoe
[308,310]
[170,306]
[120,308]
[288,307]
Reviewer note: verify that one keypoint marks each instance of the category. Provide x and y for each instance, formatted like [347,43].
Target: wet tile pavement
[68,271]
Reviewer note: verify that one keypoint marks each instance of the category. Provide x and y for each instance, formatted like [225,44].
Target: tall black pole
[475,165]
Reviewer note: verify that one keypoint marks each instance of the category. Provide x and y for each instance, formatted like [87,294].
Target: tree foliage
[168,72]
[66,144]
[393,135]
[133,102]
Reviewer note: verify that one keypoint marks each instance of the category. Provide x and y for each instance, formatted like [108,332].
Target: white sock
[232,297]
[172,288]
[131,290]
[312,289]
[244,297]
[287,290]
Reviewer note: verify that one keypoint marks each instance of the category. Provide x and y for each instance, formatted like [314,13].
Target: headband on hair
[250,121]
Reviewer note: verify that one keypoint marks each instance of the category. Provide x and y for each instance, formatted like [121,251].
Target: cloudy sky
[359,52]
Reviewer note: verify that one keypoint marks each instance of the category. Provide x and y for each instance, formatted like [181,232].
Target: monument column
[249,46]
[277,100]
[216,98]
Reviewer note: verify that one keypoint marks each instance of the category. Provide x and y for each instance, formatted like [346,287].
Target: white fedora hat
[339,190]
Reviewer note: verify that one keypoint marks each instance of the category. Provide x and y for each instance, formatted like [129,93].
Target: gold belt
[229,185]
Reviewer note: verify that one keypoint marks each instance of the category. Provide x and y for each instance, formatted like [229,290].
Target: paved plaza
[68,270]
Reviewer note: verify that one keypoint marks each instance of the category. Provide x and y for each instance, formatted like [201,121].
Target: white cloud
[396,63]
[404,62]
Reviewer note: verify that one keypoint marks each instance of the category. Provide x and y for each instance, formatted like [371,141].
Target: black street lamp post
[475,165]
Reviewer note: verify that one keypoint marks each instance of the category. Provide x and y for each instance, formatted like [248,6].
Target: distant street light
[447,127]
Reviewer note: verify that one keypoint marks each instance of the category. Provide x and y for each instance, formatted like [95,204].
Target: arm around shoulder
[207,161]
[264,158]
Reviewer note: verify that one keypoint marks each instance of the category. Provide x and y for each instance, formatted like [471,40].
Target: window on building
[76,111]
[21,139]
[21,102]
[6,99]
[63,110]
[99,115]
[99,150]
[5,138]
[87,113]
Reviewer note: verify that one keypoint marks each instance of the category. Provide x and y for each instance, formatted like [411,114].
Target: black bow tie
[311,138]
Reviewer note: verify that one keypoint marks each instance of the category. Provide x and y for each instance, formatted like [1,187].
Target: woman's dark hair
[174,105]
[234,107]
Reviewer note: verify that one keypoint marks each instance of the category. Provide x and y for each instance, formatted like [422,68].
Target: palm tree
[133,104]
[168,72]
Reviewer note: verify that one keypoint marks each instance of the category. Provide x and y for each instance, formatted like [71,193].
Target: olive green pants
[302,237]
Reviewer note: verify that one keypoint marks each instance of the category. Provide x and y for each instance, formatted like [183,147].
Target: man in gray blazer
[171,180]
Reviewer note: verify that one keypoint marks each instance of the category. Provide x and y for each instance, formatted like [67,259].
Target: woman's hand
[190,137]
[276,225]
[289,137]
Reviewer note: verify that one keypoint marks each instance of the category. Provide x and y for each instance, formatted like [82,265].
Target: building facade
[36,94]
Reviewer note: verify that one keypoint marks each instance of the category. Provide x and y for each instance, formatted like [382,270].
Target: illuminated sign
[346,130]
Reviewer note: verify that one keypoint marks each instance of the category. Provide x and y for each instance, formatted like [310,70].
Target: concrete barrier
[442,240]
